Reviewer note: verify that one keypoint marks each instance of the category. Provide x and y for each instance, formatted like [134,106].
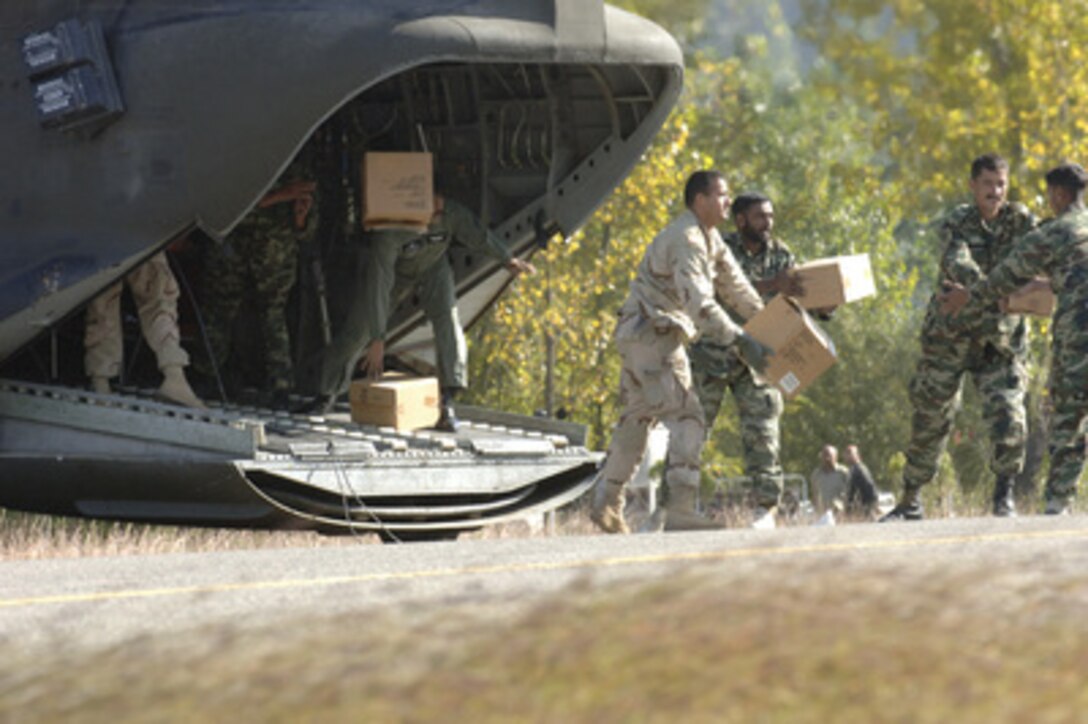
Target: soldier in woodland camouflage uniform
[672,300]
[716,367]
[260,257]
[1059,249]
[990,345]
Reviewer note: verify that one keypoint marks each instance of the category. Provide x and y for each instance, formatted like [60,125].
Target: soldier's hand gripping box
[406,403]
[398,190]
[1036,297]
[802,351]
[835,280]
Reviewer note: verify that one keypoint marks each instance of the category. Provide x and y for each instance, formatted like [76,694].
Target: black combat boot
[909,508]
[447,419]
[319,405]
[1004,504]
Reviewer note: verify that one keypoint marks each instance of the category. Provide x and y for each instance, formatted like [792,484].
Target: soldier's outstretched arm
[467,229]
[379,278]
[696,291]
[1032,255]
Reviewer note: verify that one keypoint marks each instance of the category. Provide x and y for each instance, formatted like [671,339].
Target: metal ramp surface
[127,456]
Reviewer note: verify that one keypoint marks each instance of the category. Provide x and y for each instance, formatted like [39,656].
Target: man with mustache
[990,345]
[1058,249]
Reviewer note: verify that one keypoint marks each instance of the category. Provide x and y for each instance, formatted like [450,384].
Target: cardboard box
[398,190]
[1036,297]
[406,403]
[836,280]
[802,351]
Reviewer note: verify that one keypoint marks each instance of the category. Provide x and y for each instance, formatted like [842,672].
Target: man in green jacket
[396,263]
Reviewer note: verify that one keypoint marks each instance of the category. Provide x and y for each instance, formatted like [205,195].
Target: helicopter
[134,126]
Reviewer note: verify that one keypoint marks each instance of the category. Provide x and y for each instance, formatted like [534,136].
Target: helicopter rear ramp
[128,457]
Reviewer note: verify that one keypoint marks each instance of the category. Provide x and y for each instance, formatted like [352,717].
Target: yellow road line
[525,567]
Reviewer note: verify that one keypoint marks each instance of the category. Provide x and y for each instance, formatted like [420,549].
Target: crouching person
[671,302]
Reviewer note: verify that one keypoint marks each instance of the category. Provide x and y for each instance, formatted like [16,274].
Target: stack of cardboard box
[397,193]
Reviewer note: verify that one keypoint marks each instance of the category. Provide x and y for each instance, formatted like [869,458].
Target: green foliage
[683,18]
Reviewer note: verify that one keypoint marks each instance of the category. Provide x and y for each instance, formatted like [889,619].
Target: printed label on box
[789,383]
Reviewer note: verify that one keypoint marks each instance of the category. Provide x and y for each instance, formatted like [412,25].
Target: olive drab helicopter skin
[131,124]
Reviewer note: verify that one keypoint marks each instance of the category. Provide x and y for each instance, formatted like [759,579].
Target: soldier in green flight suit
[718,367]
[1058,249]
[990,345]
[396,263]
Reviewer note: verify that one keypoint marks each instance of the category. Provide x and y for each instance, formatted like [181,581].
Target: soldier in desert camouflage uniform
[715,367]
[260,257]
[672,301]
[1059,249]
[155,291]
[991,345]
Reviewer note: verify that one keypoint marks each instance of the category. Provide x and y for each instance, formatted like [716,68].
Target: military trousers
[715,369]
[1069,420]
[261,261]
[387,279]
[431,280]
[155,291]
[1001,380]
[655,386]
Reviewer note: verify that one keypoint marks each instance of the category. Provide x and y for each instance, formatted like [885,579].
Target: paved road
[105,601]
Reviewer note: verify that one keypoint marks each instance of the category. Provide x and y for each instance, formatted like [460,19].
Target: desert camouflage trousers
[155,291]
[1069,420]
[655,386]
[1000,379]
[259,259]
[715,369]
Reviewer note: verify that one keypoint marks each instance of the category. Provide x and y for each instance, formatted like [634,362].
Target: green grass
[793,641]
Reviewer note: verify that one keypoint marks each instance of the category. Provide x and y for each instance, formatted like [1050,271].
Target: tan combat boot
[175,388]
[607,510]
[680,513]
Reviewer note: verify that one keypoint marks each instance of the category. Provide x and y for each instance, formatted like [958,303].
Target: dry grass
[24,536]
[800,643]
